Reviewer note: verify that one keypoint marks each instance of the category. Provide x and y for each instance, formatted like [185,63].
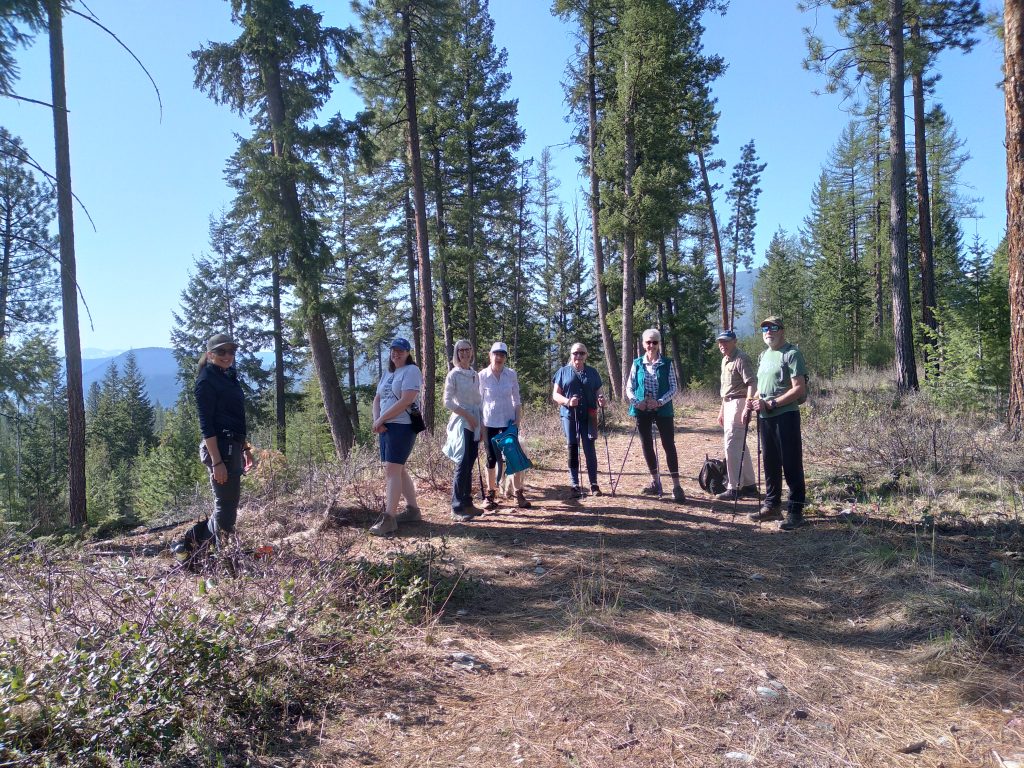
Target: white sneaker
[386,526]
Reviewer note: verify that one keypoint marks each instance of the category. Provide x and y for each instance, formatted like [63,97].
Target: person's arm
[206,406]
[517,402]
[631,386]
[673,385]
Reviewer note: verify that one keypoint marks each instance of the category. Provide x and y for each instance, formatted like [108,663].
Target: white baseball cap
[499,346]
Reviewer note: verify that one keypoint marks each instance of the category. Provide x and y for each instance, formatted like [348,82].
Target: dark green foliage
[169,477]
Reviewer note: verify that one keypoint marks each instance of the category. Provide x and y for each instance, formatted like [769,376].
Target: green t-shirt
[775,372]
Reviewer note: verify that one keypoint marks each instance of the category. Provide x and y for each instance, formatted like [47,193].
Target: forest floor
[629,631]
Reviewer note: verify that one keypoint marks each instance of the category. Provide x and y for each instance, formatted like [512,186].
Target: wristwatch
[771,404]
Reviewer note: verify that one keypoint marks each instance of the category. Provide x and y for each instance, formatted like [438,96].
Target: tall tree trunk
[735,264]
[670,310]
[442,259]
[601,290]
[5,268]
[412,270]
[470,204]
[420,211]
[309,277]
[855,260]
[628,250]
[715,236]
[1013,88]
[903,330]
[924,211]
[77,512]
[877,272]
[281,434]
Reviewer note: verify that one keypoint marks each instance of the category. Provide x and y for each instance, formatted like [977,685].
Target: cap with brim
[399,343]
[726,336]
[773,320]
[499,346]
[220,340]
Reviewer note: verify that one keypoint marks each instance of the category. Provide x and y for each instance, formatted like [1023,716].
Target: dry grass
[625,631]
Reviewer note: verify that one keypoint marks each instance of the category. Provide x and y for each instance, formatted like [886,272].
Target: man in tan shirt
[738,384]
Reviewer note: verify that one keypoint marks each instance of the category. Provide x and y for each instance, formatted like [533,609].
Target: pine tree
[743,194]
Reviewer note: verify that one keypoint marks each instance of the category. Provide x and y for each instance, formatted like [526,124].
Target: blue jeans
[576,427]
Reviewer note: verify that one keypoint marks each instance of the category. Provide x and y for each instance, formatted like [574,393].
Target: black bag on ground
[712,477]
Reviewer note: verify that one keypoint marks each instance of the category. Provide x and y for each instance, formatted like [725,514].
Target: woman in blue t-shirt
[397,392]
[576,390]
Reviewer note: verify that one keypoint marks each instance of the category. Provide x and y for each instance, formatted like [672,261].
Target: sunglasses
[770,327]
[464,349]
[223,352]
[579,354]
[652,342]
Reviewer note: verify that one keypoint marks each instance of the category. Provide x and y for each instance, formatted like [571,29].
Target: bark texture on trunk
[903,332]
[77,513]
[600,289]
[1013,20]
[716,238]
[419,202]
[924,212]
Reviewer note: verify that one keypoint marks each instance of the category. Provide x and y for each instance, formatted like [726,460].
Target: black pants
[645,421]
[783,453]
[462,484]
[226,496]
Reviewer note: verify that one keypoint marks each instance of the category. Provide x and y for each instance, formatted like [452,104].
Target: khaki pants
[733,444]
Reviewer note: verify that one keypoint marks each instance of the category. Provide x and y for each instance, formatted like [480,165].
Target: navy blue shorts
[396,444]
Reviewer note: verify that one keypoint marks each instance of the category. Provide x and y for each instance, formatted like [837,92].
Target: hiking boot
[749,491]
[386,526]
[577,492]
[595,490]
[767,512]
[410,514]
[490,503]
[462,515]
[730,494]
[521,501]
[651,490]
[678,496]
[182,550]
[793,520]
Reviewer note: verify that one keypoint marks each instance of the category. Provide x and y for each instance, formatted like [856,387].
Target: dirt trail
[628,631]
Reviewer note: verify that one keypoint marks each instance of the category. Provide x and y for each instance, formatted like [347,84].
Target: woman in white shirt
[462,398]
[502,406]
[397,391]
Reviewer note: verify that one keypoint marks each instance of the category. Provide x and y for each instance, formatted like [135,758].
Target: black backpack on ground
[713,475]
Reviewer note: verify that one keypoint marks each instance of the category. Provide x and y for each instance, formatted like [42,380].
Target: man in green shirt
[782,386]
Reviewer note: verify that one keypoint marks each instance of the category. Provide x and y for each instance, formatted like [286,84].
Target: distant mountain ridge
[157,364]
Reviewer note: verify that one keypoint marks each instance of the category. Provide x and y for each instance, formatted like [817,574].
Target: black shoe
[490,503]
[521,501]
[678,496]
[767,512]
[595,490]
[654,489]
[728,495]
[182,550]
[577,492]
[749,490]
[793,520]
[462,515]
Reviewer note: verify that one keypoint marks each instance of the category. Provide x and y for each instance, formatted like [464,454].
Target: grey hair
[651,333]
[574,347]
[464,343]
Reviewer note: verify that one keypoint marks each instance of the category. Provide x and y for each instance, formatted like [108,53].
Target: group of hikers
[486,407]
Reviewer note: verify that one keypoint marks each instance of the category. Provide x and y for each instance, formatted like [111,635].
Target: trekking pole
[579,448]
[739,472]
[607,451]
[657,460]
[626,456]
[759,468]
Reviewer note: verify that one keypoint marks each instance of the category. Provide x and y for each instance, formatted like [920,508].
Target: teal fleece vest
[663,366]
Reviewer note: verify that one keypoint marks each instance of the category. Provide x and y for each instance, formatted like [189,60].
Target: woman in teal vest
[651,386]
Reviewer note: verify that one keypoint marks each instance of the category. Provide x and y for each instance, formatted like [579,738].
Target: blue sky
[151,185]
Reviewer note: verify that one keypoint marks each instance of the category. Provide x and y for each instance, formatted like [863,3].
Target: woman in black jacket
[224,449]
